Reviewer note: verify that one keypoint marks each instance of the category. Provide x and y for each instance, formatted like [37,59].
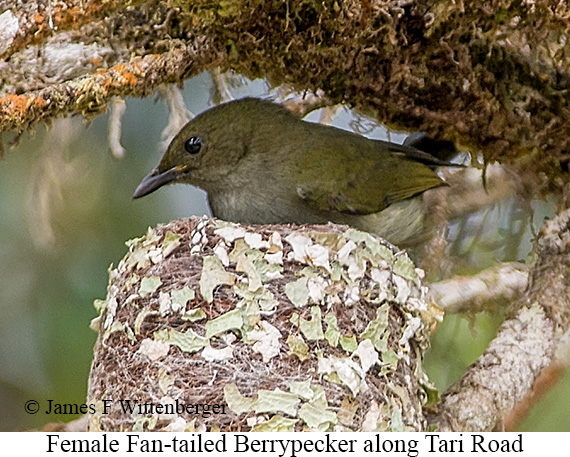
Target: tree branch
[90,95]
[40,19]
[483,291]
[493,77]
[526,344]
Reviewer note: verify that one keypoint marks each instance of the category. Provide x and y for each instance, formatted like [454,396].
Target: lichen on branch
[491,77]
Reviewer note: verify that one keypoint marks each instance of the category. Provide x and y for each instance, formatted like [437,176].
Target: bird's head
[209,147]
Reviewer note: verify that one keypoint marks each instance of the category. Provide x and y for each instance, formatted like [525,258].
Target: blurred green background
[66,211]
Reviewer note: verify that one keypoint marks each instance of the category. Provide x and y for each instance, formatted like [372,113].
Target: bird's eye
[193,145]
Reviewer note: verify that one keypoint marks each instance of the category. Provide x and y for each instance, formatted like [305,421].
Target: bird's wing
[363,182]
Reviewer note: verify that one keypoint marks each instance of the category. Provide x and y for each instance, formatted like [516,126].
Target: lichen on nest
[285,328]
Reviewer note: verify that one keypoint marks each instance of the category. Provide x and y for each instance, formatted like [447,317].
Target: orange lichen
[65,16]
[129,78]
[75,15]
[95,7]
[40,102]
[107,84]
[38,18]
[124,75]
[16,105]
[58,15]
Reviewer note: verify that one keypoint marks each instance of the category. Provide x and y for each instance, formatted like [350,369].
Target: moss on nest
[284,327]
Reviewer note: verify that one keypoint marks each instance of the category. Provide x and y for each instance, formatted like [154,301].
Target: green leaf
[149,285]
[389,362]
[319,397]
[372,244]
[245,265]
[377,327]
[297,291]
[317,418]
[100,305]
[182,296]
[332,334]
[170,243]
[188,341]
[272,401]
[235,401]
[404,267]
[232,320]
[213,274]
[311,329]
[302,389]
[397,424]
[348,343]
[298,347]
[433,397]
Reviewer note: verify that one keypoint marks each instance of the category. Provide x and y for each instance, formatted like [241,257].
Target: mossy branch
[492,77]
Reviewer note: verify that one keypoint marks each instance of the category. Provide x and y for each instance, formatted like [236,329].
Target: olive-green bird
[261,164]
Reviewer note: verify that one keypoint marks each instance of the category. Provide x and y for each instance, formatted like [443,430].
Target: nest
[222,327]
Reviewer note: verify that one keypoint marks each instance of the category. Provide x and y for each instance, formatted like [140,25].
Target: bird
[261,164]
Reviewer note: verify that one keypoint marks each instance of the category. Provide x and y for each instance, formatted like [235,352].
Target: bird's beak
[156,179]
